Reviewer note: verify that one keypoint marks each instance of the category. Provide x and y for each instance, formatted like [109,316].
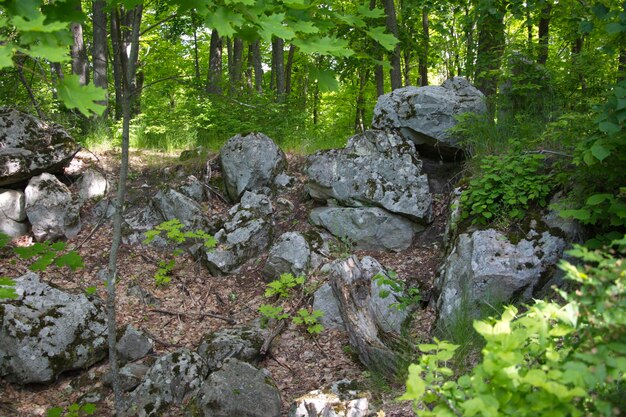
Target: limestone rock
[140,218]
[47,331]
[51,209]
[485,267]
[242,343]
[92,184]
[324,300]
[29,146]
[425,114]
[239,389]
[12,213]
[328,404]
[244,235]
[368,228]
[130,375]
[374,169]
[173,379]
[133,345]
[175,205]
[249,163]
[290,253]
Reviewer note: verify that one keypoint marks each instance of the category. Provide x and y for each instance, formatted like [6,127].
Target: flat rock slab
[29,146]
[47,331]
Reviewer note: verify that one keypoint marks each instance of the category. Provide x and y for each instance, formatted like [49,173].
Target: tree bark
[19,63]
[100,49]
[118,54]
[490,47]
[80,60]
[235,65]
[544,34]
[423,59]
[214,82]
[255,48]
[392,27]
[288,67]
[278,67]
[359,118]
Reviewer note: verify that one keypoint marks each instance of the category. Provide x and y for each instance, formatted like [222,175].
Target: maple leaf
[81,97]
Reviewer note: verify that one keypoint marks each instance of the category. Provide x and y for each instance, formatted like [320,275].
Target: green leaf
[71,259]
[614,28]
[37,24]
[326,79]
[54,412]
[324,46]
[272,25]
[386,40]
[224,21]
[598,198]
[83,98]
[4,240]
[365,11]
[48,48]
[6,55]
[609,128]
[599,151]
[585,27]
[304,27]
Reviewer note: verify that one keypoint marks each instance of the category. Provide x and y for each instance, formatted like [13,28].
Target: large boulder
[243,343]
[133,345]
[425,114]
[245,234]
[173,379]
[92,184]
[29,146]
[12,213]
[238,389]
[140,218]
[175,205]
[485,268]
[51,209]
[369,228]
[290,253]
[374,169]
[46,331]
[250,162]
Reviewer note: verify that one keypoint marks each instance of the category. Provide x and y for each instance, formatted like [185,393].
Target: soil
[196,303]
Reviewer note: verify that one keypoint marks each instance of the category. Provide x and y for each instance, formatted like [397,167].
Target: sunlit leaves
[326,45]
[6,288]
[82,98]
[272,25]
[386,40]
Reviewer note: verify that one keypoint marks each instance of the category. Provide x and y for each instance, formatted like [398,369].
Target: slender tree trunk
[100,49]
[490,47]
[288,67]
[577,48]
[544,34]
[469,51]
[423,58]
[621,68]
[118,57]
[20,73]
[316,97]
[196,61]
[406,73]
[237,63]
[392,26]
[255,49]
[215,64]
[80,60]
[359,124]
[278,61]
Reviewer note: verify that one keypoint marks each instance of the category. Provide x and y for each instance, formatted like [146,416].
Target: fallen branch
[191,314]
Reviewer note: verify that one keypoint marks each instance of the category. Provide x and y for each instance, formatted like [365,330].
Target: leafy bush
[409,296]
[281,286]
[308,319]
[507,186]
[557,360]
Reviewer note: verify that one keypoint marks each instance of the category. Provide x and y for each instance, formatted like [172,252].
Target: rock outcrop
[46,331]
[250,162]
[425,114]
[242,343]
[12,213]
[290,253]
[29,146]
[51,209]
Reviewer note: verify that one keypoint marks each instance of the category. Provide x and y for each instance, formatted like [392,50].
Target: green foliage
[557,360]
[281,286]
[47,253]
[407,296]
[308,319]
[269,311]
[83,98]
[74,410]
[506,187]
[6,288]
[172,230]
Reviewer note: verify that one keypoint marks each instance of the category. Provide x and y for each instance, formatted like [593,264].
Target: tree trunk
[80,60]
[469,51]
[359,118]
[392,27]
[100,49]
[118,54]
[278,67]
[255,48]
[196,60]
[316,98]
[288,67]
[19,64]
[621,68]
[544,34]
[490,47]
[215,64]
[423,58]
[236,65]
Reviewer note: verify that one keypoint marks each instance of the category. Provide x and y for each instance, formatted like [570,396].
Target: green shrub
[552,360]
[506,187]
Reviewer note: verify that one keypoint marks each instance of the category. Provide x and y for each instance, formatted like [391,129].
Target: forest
[498,250]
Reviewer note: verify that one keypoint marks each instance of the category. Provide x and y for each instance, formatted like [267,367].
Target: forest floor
[188,308]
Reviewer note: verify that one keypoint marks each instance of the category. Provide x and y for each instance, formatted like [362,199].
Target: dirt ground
[196,303]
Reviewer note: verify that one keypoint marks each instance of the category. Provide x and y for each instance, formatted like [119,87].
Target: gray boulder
[289,254]
[12,213]
[250,162]
[51,209]
[374,169]
[140,218]
[368,228]
[342,402]
[424,114]
[325,301]
[484,268]
[244,235]
[133,345]
[193,188]
[243,343]
[238,389]
[173,379]
[92,184]
[174,205]
[29,146]
[130,376]
[46,331]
